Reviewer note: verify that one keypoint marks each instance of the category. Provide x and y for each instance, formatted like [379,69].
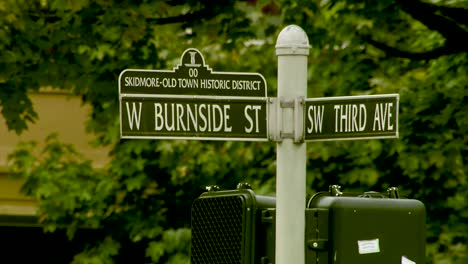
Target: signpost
[292,50]
[193,102]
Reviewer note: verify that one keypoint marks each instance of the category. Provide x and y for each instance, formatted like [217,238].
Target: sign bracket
[286,119]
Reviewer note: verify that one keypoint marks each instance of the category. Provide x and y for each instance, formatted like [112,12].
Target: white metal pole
[292,49]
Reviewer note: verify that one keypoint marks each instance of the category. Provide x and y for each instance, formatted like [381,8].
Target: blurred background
[66,177]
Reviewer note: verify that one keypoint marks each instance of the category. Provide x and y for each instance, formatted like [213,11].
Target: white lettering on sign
[215,84]
[169,83]
[382,117]
[251,126]
[350,117]
[315,116]
[193,72]
[192,118]
[227,128]
[180,116]
[193,83]
[134,116]
[245,85]
[142,81]
[188,83]
[217,118]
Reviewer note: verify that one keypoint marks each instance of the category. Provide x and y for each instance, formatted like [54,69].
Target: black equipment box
[238,226]
[227,228]
[365,230]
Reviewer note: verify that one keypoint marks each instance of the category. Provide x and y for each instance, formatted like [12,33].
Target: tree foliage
[411,47]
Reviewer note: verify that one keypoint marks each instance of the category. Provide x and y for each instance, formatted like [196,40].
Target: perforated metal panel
[217,230]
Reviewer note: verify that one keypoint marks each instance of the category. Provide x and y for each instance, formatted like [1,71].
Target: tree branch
[457,14]
[426,14]
[396,52]
[185,18]
[460,15]
[442,19]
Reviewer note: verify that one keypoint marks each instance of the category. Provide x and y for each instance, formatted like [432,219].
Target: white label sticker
[368,246]
[405,260]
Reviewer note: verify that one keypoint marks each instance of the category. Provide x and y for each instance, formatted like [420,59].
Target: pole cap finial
[292,40]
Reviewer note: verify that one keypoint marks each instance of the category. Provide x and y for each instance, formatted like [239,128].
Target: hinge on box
[318,244]
[335,190]
[393,193]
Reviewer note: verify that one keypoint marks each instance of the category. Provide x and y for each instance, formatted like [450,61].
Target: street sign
[351,117]
[202,118]
[192,77]
[193,102]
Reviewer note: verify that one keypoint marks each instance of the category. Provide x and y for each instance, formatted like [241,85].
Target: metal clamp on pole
[286,119]
[273,127]
[299,120]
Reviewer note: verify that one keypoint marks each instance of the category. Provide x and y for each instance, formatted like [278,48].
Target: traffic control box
[238,226]
[365,230]
[227,228]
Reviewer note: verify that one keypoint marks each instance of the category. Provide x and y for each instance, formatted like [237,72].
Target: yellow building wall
[60,113]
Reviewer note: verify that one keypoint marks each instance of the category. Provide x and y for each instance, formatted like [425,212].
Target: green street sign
[189,117]
[351,117]
[192,102]
[191,77]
